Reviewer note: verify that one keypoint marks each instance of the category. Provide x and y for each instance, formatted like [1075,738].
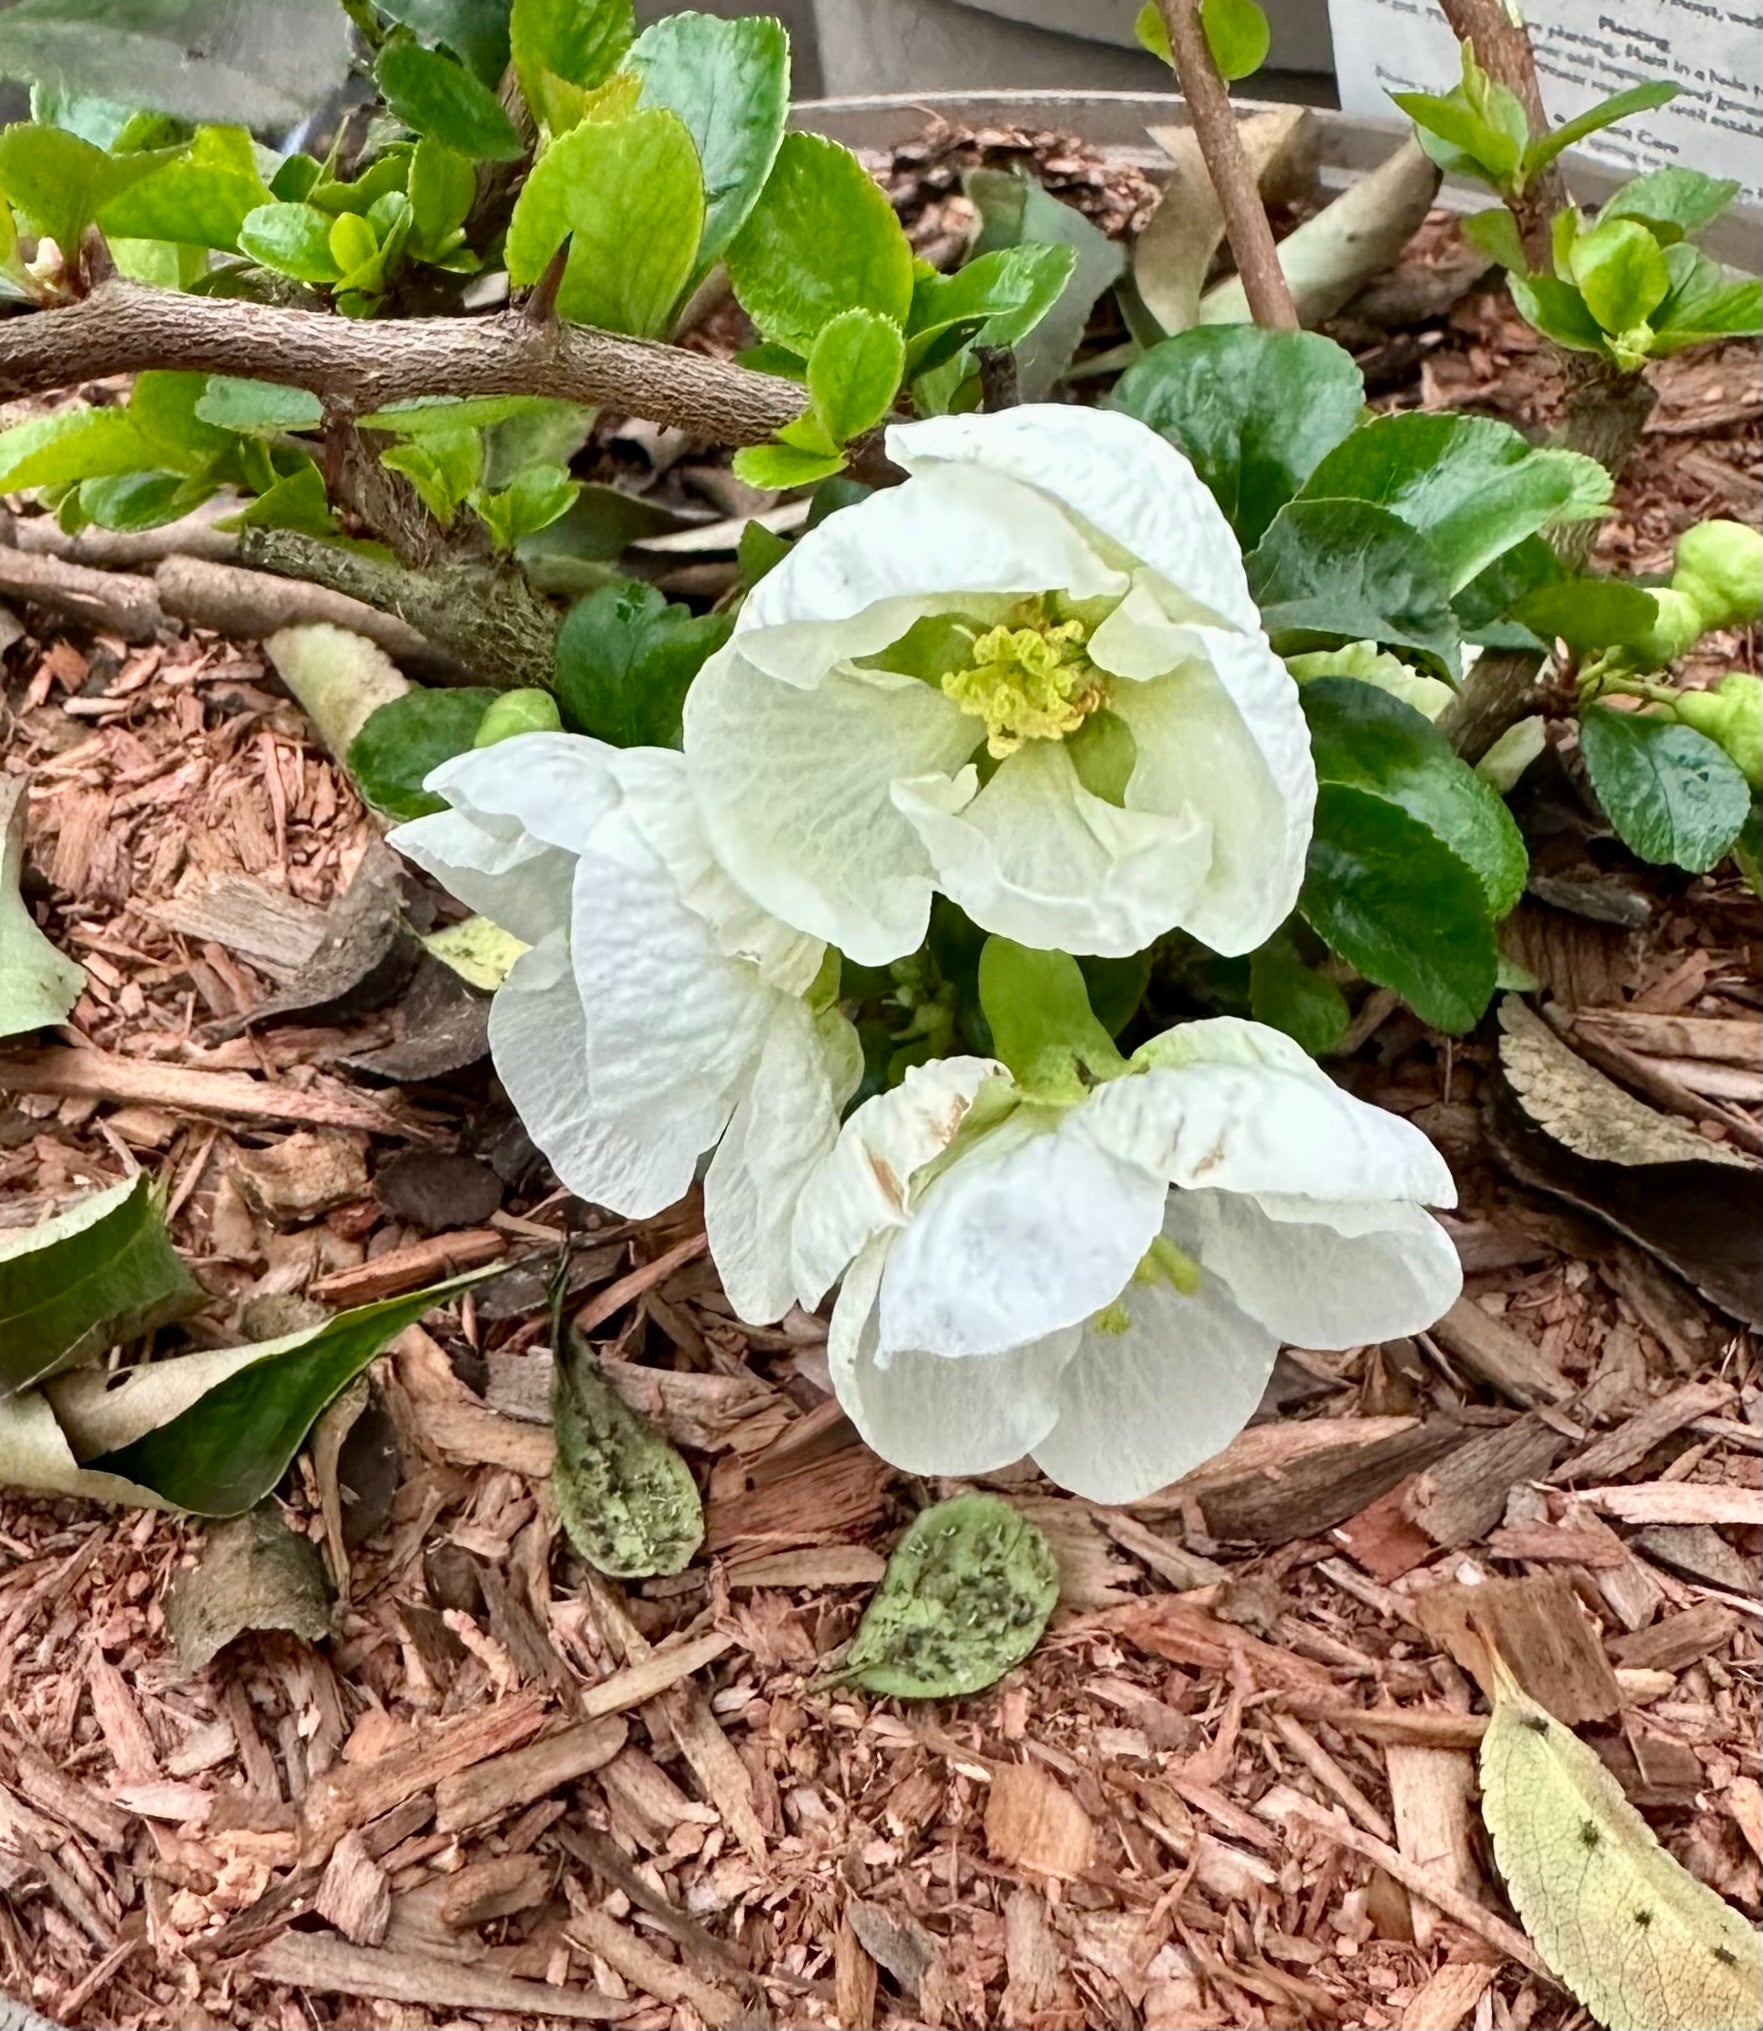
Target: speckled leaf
[965,1596]
[626,1498]
[1641,1943]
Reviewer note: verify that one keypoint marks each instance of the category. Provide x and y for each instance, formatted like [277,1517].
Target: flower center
[1028,681]
[1162,1262]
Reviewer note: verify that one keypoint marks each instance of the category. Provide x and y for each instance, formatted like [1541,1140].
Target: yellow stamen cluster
[1032,682]
[1162,1262]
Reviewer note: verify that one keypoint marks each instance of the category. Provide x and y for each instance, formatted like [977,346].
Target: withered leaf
[254,1573]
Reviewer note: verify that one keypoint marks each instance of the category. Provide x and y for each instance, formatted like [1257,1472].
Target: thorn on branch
[540,308]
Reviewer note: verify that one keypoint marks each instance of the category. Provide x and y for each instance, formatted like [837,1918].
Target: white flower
[658,1013]
[1030,677]
[1021,1277]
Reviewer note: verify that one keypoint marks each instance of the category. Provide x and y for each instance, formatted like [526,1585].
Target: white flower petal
[634,1164]
[794,791]
[785,1124]
[1224,735]
[1036,857]
[861,1189]
[861,578]
[927,1414]
[506,875]
[557,786]
[1026,1234]
[1236,1128]
[1119,477]
[1320,1273]
[1141,1408]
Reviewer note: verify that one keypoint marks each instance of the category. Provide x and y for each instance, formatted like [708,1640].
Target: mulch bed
[509,1792]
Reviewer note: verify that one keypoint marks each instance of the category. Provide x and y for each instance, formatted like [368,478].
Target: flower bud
[1731,715]
[1680,624]
[517,712]
[1720,568]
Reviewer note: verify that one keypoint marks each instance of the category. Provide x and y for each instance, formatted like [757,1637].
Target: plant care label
[1712,50]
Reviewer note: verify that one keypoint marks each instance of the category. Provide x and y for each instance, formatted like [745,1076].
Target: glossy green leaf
[1495,234]
[474,30]
[140,500]
[854,372]
[628,198]
[1396,903]
[1706,302]
[443,466]
[531,501]
[293,239]
[261,63]
[1015,211]
[1369,740]
[776,468]
[821,239]
[68,445]
[1255,411]
[1471,486]
[1329,572]
[405,739]
[1301,1000]
[60,183]
[1672,203]
[94,1275]
[578,41]
[1675,798]
[214,1432]
[966,1595]
[1151,32]
[164,408]
[1558,311]
[995,299]
[297,500]
[625,661]
[625,1498]
[1590,613]
[1619,106]
[199,198]
[1486,606]
[1237,35]
[729,82]
[38,984]
[1619,270]
[441,189]
[261,408]
[1037,1005]
[435,95]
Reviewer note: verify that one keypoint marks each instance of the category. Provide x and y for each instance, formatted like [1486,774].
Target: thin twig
[123,328]
[1215,124]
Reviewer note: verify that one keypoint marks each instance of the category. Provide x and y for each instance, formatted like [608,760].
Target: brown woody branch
[1215,125]
[123,328]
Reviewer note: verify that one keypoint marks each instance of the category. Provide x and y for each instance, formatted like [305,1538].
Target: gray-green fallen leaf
[100,1272]
[254,1573]
[38,985]
[966,1595]
[1641,1943]
[626,1499]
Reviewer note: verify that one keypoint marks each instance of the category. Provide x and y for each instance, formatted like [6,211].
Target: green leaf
[1706,302]
[434,95]
[140,500]
[1396,903]
[260,408]
[1590,613]
[531,501]
[388,171]
[1237,35]
[443,466]
[821,239]
[214,1432]
[60,182]
[775,468]
[1151,32]
[1368,740]
[405,739]
[1331,572]
[293,239]
[1302,1001]
[1674,797]
[1038,1007]
[474,30]
[69,445]
[441,189]
[1464,140]
[1471,486]
[163,408]
[1619,270]
[625,1498]
[1495,234]
[1255,411]
[966,1595]
[200,198]
[996,299]
[628,198]
[74,1286]
[38,985]
[1014,211]
[449,414]
[625,661]
[578,41]
[854,372]
[1606,113]
[1485,606]
[729,82]
[262,63]
[297,500]
[760,550]
[1558,311]
[1672,203]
